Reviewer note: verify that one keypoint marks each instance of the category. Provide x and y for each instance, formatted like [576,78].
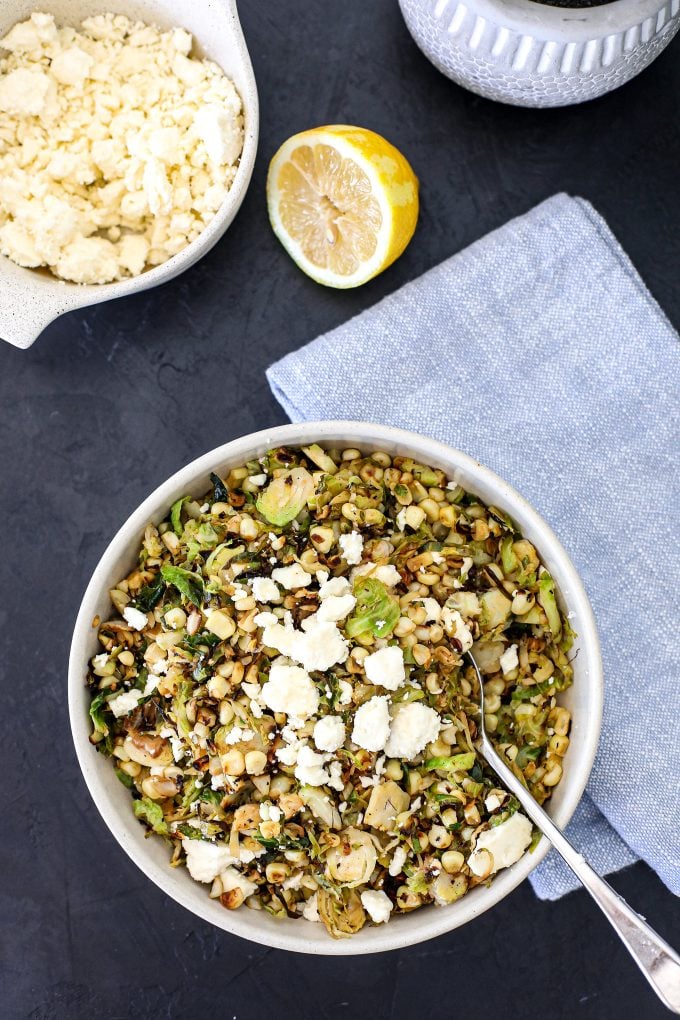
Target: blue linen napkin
[539,351]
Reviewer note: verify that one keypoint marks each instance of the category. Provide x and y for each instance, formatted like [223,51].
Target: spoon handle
[659,963]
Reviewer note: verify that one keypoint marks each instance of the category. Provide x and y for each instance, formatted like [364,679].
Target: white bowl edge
[151,856]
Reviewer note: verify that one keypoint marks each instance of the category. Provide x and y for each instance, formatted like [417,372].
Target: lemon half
[343,202]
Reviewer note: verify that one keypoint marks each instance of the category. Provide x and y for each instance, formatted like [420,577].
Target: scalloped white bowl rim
[527,53]
[570,23]
[151,855]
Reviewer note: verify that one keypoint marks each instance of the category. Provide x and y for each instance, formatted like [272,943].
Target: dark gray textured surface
[111,401]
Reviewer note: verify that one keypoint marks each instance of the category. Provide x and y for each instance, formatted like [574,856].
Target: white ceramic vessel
[531,54]
[113,801]
[29,298]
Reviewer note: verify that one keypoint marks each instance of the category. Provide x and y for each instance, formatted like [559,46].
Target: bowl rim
[423,924]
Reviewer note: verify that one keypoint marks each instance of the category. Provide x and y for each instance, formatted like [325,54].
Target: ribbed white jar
[531,54]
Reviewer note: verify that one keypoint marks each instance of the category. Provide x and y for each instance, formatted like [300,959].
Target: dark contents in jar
[575,3]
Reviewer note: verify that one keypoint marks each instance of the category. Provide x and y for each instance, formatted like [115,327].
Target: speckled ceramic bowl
[584,699]
[30,298]
[532,54]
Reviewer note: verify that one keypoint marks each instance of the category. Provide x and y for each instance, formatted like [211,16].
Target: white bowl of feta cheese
[130,134]
[583,699]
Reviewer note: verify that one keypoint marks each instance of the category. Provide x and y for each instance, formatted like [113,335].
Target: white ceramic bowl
[30,299]
[112,799]
[532,54]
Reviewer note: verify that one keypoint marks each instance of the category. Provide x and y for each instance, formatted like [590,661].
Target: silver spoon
[658,962]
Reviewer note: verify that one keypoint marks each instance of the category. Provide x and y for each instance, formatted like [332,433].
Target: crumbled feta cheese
[236,735]
[372,724]
[385,572]
[291,690]
[386,667]
[336,608]
[505,842]
[345,692]
[318,646]
[336,587]
[413,726]
[292,577]
[432,608]
[367,781]
[124,703]
[401,519]
[150,685]
[310,911]
[71,66]
[377,905]
[31,34]
[321,576]
[398,861]
[258,479]
[509,660]
[288,755]
[135,617]
[335,780]
[388,574]
[264,589]
[118,147]
[310,767]
[265,620]
[275,813]
[206,861]
[455,626]
[23,92]
[179,751]
[352,547]
[99,661]
[220,134]
[329,733]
